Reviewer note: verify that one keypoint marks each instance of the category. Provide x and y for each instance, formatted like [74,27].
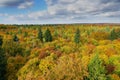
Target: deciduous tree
[96,69]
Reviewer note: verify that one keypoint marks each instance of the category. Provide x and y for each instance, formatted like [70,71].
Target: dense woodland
[60,52]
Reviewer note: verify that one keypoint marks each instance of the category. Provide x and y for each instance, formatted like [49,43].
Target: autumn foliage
[60,52]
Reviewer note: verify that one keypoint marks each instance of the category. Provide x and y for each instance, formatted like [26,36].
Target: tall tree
[48,36]
[40,35]
[77,36]
[1,40]
[113,35]
[3,61]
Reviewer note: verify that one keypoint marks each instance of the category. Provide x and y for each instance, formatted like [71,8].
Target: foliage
[1,40]
[96,69]
[67,68]
[114,34]
[100,35]
[13,65]
[40,35]
[48,36]
[60,58]
[30,70]
[25,34]
[12,48]
[3,64]
[15,38]
[77,36]
[46,64]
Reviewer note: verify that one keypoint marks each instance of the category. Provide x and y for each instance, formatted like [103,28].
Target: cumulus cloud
[16,3]
[87,7]
[70,9]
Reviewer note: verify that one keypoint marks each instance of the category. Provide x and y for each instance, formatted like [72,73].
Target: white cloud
[110,14]
[71,10]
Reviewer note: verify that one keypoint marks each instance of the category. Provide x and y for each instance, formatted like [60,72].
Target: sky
[59,11]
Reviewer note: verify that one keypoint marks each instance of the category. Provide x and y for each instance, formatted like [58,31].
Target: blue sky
[59,11]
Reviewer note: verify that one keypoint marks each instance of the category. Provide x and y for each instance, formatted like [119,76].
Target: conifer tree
[77,36]
[40,35]
[15,38]
[113,35]
[48,36]
[1,40]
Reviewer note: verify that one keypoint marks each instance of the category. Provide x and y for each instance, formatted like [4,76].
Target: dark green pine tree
[77,36]
[1,40]
[3,62]
[40,35]
[113,35]
[15,38]
[48,36]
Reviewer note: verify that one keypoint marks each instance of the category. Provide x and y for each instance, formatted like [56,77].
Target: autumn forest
[60,52]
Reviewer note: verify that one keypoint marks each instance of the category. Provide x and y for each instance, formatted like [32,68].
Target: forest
[60,52]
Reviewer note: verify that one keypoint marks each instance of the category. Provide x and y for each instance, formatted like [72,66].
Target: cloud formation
[73,10]
[82,7]
[16,3]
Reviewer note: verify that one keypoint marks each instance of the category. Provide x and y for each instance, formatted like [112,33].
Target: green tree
[113,35]
[48,36]
[3,62]
[15,38]
[118,33]
[19,31]
[40,35]
[77,36]
[25,34]
[1,40]
[56,33]
[96,69]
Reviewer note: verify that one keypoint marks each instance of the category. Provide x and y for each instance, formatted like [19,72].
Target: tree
[48,36]
[19,30]
[96,69]
[118,33]
[113,35]
[3,62]
[25,34]
[15,38]
[67,68]
[1,40]
[12,48]
[40,35]
[77,36]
